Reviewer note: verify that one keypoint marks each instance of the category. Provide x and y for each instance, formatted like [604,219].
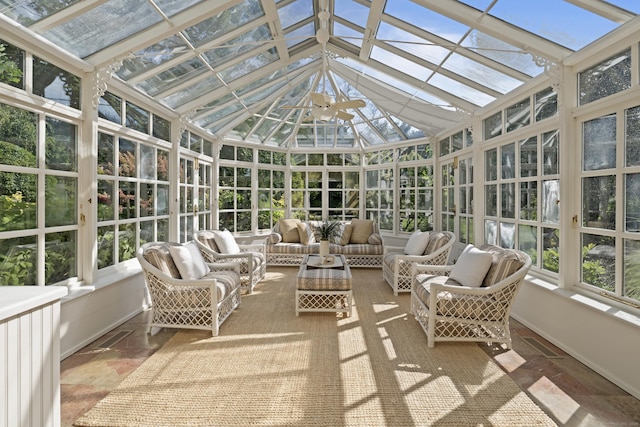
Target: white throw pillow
[226,242]
[189,261]
[471,267]
[417,243]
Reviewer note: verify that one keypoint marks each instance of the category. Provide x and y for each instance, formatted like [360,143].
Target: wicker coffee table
[324,286]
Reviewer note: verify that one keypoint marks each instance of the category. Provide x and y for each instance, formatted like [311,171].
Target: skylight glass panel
[172,77]
[387,130]
[265,129]
[480,73]
[345,137]
[237,46]
[399,63]
[264,93]
[227,20]
[347,34]
[94,30]
[152,57]
[27,13]
[501,52]
[369,134]
[411,44]
[548,18]
[217,116]
[171,7]
[295,12]
[248,65]
[351,11]
[409,131]
[409,89]
[192,92]
[300,34]
[266,80]
[630,5]
[426,19]
[460,90]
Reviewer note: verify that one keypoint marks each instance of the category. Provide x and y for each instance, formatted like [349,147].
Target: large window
[133,197]
[610,232]
[522,197]
[38,198]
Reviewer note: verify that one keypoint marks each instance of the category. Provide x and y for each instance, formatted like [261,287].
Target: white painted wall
[599,335]
[98,310]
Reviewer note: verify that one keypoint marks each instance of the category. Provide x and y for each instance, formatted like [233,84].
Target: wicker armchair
[397,266]
[203,303]
[252,258]
[450,311]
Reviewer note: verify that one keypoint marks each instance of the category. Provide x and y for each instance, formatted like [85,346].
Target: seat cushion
[461,306]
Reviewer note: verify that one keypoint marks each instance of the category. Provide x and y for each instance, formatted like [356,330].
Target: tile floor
[571,393]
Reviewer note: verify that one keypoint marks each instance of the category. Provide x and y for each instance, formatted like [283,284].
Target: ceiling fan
[323,106]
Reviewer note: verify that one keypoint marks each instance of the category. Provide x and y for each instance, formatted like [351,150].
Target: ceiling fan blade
[321,99]
[356,103]
[343,115]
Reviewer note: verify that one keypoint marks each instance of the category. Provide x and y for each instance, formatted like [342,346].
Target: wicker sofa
[358,240]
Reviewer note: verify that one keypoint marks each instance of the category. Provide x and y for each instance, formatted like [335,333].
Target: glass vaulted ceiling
[234,68]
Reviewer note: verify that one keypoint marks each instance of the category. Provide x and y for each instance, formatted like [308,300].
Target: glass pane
[529,157]
[161,128]
[598,201]
[60,200]
[491,200]
[127,158]
[508,200]
[491,164]
[508,161]
[61,145]
[599,261]
[127,200]
[13,65]
[507,235]
[146,199]
[126,241]
[106,246]
[528,241]
[632,202]
[632,136]
[493,125]
[551,201]
[609,77]
[146,232]
[546,104]
[105,200]
[18,137]
[105,154]
[137,118]
[551,249]
[18,196]
[518,115]
[491,232]
[550,153]
[631,286]
[599,143]
[529,200]
[110,107]
[55,83]
[163,165]
[147,162]
[18,261]
[60,256]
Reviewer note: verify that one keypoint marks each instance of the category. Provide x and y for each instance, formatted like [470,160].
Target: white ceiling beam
[375,13]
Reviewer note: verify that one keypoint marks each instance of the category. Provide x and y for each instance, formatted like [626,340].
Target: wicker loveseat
[358,240]
[474,308]
[191,303]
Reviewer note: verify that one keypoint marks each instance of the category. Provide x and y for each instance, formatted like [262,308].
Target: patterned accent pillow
[342,234]
[275,238]
[307,235]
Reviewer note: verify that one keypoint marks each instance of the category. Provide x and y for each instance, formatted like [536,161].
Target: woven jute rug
[271,368]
